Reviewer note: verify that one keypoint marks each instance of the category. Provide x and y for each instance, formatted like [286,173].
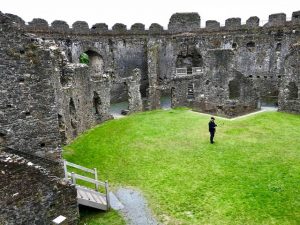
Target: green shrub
[84,58]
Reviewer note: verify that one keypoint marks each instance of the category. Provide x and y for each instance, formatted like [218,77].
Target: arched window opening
[94,61]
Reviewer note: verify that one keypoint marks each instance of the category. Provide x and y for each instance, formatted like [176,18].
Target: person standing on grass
[212,129]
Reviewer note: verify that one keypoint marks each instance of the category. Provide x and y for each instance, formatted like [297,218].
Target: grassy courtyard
[251,175]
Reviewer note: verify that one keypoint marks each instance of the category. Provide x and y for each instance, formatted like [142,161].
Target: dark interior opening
[270,98]
[278,47]
[165,99]
[279,35]
[251,44]
[72,111]
[2,140]
[118,99]
[293,91]
[189,58]
[62,129]
[96,103]
[234,89]
[72,108]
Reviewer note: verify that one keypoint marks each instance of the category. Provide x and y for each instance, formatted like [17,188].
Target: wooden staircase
[85,195]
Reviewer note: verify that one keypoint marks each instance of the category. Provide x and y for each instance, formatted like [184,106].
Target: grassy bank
[251,175]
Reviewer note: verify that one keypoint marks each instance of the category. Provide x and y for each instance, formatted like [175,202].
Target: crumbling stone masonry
[30,194]
[47,97]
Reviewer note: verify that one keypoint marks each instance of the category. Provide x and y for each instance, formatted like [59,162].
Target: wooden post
[107,195]
[73,178]
[65,169]
[96,178]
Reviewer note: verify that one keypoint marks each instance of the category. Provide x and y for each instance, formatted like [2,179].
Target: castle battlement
[179,22]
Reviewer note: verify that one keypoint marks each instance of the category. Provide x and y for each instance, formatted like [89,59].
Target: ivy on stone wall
[84,58]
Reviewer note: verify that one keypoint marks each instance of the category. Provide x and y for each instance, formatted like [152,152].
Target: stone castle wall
[28,108]
[242,66]
[31,194]
[32,191]
[48,97]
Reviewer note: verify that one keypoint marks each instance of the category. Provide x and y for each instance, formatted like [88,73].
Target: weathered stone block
[120,27]
[252,22]
[81,27]
[138,27]
[296,17]
[278,19]
[212,25]
[181,22]
[59,25]
[155,28]
[99,27]
[38,24]
[233,23]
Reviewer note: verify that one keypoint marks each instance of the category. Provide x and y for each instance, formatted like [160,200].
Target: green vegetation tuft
[84,58]
[251,175]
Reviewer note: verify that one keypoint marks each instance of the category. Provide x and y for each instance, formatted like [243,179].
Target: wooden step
[91,198]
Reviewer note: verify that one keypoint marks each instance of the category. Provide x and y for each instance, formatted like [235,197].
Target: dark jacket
[211,126]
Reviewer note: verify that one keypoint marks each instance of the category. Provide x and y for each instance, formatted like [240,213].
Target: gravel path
[133,207]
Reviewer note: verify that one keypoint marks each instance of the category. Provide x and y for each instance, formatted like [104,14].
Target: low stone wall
[31,194]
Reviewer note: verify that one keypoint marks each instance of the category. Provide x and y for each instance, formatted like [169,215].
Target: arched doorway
[165,99]
[269,98]
[119,103]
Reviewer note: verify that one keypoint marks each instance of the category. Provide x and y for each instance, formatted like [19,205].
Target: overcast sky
[147,12]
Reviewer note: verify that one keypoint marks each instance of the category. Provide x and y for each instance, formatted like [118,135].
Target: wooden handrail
[96,178]
[91,180]
[107,195]
[74,176]
[79,167]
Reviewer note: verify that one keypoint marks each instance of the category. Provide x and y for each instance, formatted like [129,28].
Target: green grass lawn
[251,175]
